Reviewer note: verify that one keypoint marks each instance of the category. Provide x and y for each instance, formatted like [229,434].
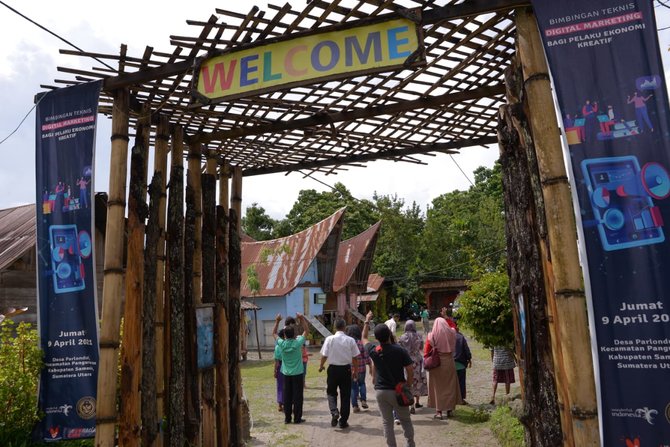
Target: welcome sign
[307,59]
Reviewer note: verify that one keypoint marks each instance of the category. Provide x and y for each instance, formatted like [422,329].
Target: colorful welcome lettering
[304,60]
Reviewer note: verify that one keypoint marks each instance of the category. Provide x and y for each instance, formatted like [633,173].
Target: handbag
[432,359]
[403,394]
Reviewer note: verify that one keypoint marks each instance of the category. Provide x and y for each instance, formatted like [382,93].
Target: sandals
[438,415]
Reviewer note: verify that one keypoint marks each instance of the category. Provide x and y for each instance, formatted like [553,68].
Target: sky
[29,57]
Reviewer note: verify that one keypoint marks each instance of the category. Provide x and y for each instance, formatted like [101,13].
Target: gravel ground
[365,430]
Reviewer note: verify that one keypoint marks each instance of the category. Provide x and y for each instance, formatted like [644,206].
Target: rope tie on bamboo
[103,420]
[113,270]
[567,293]
[580,413]
[163,137]
[535,77]
[119,136]
[555,180]
[111,203]
[110,344]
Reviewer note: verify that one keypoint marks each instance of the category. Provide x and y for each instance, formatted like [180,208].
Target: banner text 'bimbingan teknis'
[605,61]
[66,287]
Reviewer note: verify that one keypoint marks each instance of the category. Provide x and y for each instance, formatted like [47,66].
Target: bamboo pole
[194,173]
[194,180]
[190,330]
[208,182]
[160,165]
[176,364]
[131,352]
[113,274]
[525,229]
[224,188]
[568,304]
[149,409]
[235,276]
[221,316]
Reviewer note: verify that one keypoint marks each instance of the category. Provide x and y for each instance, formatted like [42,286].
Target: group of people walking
[349,355]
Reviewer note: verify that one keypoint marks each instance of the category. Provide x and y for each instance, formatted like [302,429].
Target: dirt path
[365,430]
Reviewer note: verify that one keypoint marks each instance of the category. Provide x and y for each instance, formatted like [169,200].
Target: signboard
[605,61]
[308,59]
[66,287]
[204,317]
[320,298]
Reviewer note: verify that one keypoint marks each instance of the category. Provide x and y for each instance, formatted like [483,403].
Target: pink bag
[432,359]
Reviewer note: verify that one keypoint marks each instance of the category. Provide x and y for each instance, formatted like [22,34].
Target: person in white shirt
[341,352]
[392,324]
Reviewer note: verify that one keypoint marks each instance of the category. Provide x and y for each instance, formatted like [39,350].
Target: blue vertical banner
[605,60]
[67,305]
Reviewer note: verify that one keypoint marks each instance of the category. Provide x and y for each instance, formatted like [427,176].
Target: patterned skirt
[503,375]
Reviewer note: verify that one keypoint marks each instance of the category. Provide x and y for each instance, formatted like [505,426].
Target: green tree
[312,206]
[464,233]
[487,310]
[20,364]
[398,247]
[257,224]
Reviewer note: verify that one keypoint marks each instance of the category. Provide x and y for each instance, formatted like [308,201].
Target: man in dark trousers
[389,360]
[340,351]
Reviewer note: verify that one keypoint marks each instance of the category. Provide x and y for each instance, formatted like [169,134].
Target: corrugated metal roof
[17,233]
[248,305]
[375,282]
[354,261]
[281,263]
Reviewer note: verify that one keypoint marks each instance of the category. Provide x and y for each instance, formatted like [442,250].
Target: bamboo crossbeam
[387,109]
[389,154]
[112,288]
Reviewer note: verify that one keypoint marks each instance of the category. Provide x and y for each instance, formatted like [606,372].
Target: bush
[487,310]
[506,428]
[20,364]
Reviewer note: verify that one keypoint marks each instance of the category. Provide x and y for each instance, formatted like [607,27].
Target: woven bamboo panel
[466,58]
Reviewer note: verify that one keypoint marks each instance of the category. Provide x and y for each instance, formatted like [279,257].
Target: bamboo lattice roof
[449,103]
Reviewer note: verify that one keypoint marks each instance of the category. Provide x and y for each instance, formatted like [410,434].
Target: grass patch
[506,428]
[471,415]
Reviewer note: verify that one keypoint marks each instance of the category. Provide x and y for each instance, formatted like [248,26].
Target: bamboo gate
[181,251]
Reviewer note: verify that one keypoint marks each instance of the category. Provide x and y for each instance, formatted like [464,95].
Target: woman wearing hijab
[413,343]
[443,390]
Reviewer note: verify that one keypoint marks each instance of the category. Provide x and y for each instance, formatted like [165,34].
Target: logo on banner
[54,432]
[76,433]
[63,409]
[667,412]
[645,413]
[86,407]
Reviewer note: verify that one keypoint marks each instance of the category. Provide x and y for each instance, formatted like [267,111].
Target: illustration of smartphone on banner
[621,198]
[67,266]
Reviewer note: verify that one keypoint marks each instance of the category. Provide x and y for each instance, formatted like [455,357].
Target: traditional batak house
[374,297]
[291,274]
[354,261]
